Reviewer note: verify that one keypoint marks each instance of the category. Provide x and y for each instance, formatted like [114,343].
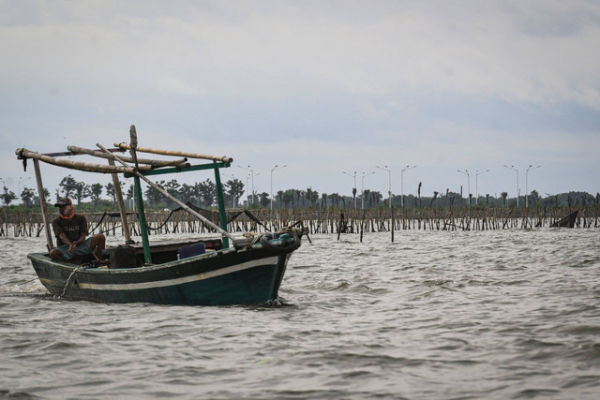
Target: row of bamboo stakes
[318,221]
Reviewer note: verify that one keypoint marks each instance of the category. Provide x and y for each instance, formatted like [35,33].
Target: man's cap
[63,201]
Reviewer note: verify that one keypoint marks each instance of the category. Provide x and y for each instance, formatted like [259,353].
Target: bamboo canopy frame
[176,200]
[137,171]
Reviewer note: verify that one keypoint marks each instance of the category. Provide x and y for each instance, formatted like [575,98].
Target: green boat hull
[223,278]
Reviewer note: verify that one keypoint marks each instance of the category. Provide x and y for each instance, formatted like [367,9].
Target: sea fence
[316,221]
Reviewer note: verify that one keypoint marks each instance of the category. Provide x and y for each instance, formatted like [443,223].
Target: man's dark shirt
[73,227]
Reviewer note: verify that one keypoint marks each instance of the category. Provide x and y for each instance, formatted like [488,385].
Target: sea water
[436,314]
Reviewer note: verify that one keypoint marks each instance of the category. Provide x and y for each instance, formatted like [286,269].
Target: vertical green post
[221,203]
[142,216]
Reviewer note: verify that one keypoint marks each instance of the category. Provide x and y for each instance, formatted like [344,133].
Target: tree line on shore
[204,194]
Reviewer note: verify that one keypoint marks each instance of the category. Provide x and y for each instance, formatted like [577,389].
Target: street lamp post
[354,188]
[527,182]
[275,167]
[247,184]
[477,173]
[402,183]
[253,173]
[466,172]
[362,188]
[517,174]
[389,171]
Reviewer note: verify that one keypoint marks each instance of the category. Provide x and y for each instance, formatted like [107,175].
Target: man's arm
[81,239]
[84,231]
[74,244]
[63,237]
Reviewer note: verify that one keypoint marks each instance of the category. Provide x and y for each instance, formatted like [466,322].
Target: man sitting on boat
[71,230]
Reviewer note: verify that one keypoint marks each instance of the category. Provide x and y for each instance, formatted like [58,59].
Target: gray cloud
[434,83]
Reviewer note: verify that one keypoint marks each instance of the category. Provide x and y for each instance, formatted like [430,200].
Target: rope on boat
[99,222]
[189,204]
[28,281]
[69,280]
[163,224]
[249,214]
[303,230]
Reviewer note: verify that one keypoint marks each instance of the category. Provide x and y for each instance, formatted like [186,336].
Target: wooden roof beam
[181,162]
[78,165]
[224,159]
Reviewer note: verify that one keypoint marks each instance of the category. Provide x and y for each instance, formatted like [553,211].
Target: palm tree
[8,196]
[27,196]
[207,191]
[68,185]
[95,192]
[81,191]
[235,189]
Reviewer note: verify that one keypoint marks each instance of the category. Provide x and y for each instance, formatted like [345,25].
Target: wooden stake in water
[362,222]
[392,211]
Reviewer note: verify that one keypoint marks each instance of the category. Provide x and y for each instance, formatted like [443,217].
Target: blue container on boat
[278,240]
[192,250]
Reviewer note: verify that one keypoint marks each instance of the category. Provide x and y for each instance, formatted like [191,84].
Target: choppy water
[508,314]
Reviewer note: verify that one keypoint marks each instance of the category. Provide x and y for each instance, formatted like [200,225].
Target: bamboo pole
[43,208]
[224,159]
[110,156]
[221,202]
[119,196]
[138,194]
[78,165]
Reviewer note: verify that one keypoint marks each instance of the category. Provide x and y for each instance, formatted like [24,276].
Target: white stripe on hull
[182,280]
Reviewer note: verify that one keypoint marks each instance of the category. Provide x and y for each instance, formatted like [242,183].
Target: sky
[322,87]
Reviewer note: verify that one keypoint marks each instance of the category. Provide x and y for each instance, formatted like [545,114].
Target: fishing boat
[566,222]
[220,270]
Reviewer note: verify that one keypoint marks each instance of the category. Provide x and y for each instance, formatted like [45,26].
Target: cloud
[173,85]
[478,50]
[441,84]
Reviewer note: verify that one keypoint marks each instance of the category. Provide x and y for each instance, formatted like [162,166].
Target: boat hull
[221,278]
